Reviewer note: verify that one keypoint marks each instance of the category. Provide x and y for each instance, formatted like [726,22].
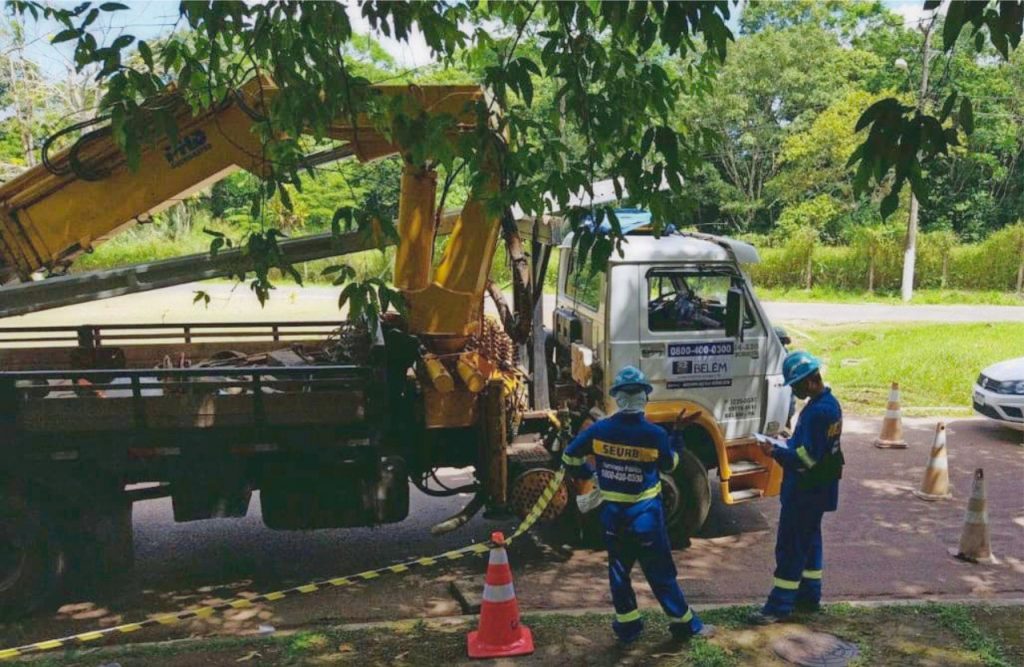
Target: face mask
[631,401]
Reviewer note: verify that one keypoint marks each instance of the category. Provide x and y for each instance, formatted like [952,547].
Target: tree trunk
[522,285]
[871,275]
[1020,278]
[945,270]
[810,269]
[910,250]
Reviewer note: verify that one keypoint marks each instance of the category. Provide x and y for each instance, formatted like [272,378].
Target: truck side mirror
[734,313]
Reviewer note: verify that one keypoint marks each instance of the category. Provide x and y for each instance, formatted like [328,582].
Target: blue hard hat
[798,365]
[631,377]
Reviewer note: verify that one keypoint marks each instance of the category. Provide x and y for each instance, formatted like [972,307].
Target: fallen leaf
[346,648]
[250,656]
[400,656]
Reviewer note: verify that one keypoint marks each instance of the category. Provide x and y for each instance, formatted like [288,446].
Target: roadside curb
[585,611]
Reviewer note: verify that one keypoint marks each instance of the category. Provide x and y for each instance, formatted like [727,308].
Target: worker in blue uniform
[812,463]
[629,452]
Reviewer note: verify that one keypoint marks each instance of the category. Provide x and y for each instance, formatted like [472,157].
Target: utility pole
[910,247]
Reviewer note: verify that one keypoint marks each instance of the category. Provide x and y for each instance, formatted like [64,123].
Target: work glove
[589,501]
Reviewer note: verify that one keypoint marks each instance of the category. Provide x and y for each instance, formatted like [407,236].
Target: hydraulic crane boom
[50,214]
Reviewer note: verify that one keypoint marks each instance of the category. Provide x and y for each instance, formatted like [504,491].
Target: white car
[999,393]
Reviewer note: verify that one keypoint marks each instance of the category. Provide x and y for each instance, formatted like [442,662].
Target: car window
[691,300]
[582,285]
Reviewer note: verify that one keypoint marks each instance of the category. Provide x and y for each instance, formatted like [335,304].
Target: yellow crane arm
[49,215]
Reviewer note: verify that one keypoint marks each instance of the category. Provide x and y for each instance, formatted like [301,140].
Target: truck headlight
[1016,387]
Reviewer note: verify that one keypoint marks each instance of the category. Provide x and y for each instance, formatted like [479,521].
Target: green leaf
[998,38]
[65,36]
[113,6]
[90,17]
[967,115]
[526,87]
[889,203]
[953,24]
[947,106]
[875,111]
[122,42]
[286,198]
[668,145]
[645,143]
[147,55]
[201,295]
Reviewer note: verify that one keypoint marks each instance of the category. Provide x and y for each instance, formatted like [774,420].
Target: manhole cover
[815,649]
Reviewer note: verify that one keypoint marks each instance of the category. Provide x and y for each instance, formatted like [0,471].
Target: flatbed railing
[201,397]
[97,335]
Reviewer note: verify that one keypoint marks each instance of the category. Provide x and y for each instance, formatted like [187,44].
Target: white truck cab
[681,308]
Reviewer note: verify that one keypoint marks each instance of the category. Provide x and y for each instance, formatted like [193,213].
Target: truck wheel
[102,548]
[687,497]
[31,560]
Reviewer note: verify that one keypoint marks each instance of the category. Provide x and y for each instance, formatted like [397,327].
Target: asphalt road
[238,303]
[882,543]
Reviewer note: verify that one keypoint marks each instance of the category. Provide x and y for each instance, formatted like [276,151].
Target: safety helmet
[798,365]
[631,377]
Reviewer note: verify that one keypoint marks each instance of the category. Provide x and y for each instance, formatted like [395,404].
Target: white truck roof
[679,247]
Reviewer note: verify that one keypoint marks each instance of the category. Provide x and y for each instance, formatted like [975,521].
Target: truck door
[686,351]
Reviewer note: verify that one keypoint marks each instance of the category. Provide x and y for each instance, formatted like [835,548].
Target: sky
[147,19]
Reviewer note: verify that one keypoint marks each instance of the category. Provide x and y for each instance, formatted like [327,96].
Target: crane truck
[333,421]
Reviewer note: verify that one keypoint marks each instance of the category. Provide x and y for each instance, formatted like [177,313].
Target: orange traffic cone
[500,634]
[975,546]
[935,485]
[891,436]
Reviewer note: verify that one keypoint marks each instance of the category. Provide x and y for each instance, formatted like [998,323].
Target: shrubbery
[995,264]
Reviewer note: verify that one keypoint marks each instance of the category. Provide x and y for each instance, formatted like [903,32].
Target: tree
[813,163]
[848,19]
[773,86]
[902,139]
[22,87]
[616,92]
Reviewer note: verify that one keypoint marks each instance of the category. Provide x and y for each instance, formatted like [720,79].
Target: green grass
[962,621]
[921,297]
[946,634]
[935,364]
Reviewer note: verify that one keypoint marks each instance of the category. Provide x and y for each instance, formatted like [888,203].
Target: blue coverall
[629,452]
[798,547]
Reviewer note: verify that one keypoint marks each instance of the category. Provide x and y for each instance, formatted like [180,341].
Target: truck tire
[101,548]
[31,559]
[687,496]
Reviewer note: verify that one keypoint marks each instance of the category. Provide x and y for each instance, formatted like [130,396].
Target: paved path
[289,303]
[848,313]
[883,543]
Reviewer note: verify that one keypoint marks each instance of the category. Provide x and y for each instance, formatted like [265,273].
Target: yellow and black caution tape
[89,638]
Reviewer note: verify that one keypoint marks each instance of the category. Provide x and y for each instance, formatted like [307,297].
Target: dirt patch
[933,634]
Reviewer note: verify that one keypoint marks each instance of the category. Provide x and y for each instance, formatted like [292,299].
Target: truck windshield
[688,300]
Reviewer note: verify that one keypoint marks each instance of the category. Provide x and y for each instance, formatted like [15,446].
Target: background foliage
[757,146]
